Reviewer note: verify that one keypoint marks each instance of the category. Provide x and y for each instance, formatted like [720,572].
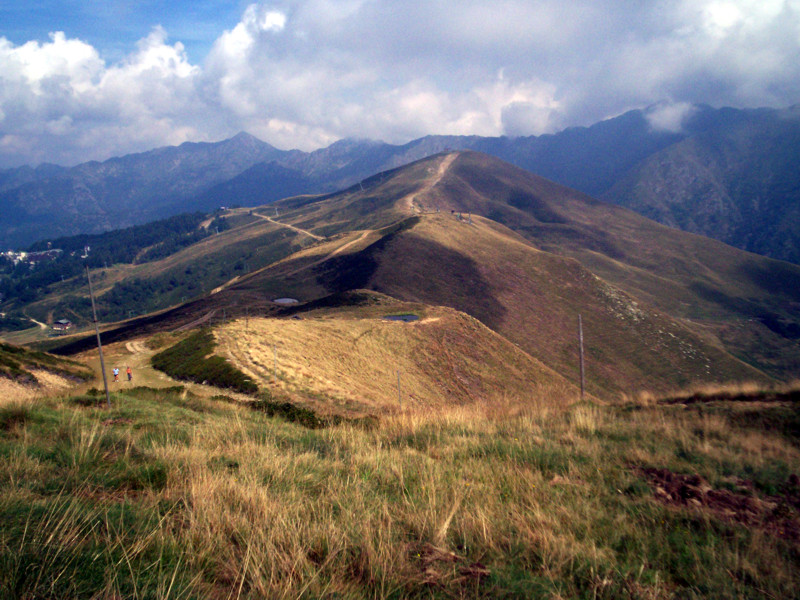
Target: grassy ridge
[191,360]
[347,360]
[170,496]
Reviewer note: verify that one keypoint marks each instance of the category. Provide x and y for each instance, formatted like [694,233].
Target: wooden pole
[99,345]
[583,372]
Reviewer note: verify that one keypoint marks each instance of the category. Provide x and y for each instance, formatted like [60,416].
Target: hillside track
[335,252]
[287,225]
[135,347]
[204,319]
[408,203]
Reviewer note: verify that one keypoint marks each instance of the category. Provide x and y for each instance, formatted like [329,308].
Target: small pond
[405,318]
[286,301]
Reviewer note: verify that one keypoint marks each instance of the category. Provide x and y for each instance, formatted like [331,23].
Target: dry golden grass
[50,385]
[349,362]
[513,497]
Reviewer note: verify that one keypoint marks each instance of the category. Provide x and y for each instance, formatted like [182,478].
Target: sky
[91,79]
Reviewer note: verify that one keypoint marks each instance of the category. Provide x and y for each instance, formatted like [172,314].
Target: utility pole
[580,341]
[99,345]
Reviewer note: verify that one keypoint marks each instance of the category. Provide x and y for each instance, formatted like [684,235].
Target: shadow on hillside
[415,269]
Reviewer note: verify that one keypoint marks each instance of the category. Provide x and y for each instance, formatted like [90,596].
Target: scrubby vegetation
[17,363]
[12,322]
[302,415]
[192,359]
[167,495]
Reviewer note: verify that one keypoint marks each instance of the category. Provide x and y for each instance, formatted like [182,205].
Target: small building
[62,325]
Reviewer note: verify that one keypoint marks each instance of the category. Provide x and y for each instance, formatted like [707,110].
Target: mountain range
[524,256]
[726,173]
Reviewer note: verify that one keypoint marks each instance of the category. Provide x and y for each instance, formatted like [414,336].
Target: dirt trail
[297,229]
[431,183]
[138,355]
[338,250]
[200,321]
[39,323]
[227,284]
[219,288]
[135,347]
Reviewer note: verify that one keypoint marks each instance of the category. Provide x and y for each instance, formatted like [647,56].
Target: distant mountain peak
[243,136]
[351,142]
[246,140]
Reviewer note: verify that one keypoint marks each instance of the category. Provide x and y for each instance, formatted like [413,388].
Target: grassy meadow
[169,495]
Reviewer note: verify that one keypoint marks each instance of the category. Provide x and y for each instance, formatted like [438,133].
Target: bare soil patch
[779,514]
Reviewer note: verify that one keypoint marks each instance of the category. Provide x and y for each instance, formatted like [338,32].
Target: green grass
[167,495]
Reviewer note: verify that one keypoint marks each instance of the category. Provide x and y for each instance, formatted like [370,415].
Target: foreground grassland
[166,495]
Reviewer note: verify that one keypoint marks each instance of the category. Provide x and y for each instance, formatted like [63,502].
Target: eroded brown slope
[747,303]
[534,298]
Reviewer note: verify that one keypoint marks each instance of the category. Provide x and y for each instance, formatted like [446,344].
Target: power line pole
[580,341]
[99,345]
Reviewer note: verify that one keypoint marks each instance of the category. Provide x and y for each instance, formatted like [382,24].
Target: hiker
[130,373]
[116,374]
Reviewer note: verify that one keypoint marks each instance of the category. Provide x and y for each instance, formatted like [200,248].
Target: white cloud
[35,65]
[669,116]
[64,104]
[303,73]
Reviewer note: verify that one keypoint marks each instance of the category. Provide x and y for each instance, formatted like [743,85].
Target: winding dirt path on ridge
[206,317]
[433,182]
[338,250]
[297,229]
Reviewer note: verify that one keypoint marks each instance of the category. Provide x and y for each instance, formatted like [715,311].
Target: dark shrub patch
[192,360]
[296,414]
